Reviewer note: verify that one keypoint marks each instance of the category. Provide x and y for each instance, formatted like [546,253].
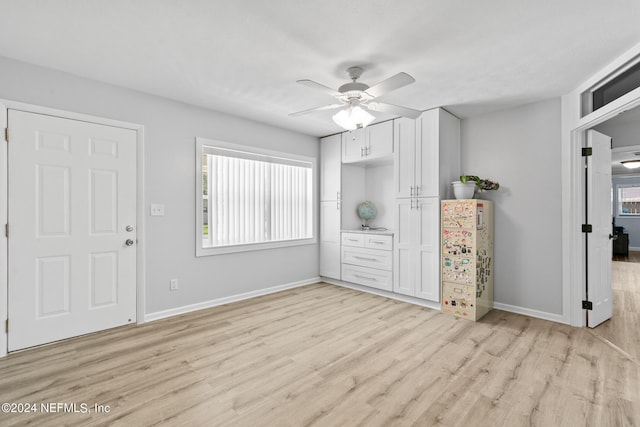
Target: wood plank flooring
[322,355]
[623,329]
[634,256]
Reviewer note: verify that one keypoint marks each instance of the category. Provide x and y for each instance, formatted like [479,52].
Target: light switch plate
[157,210]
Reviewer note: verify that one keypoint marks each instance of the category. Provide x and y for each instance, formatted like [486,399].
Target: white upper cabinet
[330,149]
[353,145]
[379,140]
[405,162]
[371,143]
[427,154]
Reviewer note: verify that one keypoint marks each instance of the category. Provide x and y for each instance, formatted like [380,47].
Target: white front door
[72,211]
[599,290]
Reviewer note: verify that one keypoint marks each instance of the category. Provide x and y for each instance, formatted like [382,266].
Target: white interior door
[72,209]
[599,248]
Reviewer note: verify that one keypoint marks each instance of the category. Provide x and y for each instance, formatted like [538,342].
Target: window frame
[227,249]
[618,207]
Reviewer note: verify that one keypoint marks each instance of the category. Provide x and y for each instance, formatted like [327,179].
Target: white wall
[623,134]
[373,183]
[379,190]
[520,148]
[170,131]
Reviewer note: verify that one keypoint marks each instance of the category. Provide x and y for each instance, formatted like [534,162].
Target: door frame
[6,105]
[573,138]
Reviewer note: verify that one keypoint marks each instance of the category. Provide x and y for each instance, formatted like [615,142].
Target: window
[250,199]
[628,200]
[619,83]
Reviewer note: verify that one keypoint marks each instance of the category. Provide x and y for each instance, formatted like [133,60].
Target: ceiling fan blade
[318,86]
[392,83]
[313,110]
[409,113]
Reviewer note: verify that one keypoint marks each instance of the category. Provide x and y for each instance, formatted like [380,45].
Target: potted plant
[468,184]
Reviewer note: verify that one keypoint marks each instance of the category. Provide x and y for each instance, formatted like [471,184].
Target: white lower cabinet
[367,259]
[417,242]
[366,276]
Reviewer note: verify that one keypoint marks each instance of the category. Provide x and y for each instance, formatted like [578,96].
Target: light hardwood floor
[328,356]
[623,329]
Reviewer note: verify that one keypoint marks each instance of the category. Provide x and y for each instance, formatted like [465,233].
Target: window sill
[230,249]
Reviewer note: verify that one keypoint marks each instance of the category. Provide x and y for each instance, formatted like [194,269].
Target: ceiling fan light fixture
[352,118]
[631,164]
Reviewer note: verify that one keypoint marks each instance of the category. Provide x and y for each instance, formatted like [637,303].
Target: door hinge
[6,230]
[587,228]
[587,305]
[587,151]
[6,326]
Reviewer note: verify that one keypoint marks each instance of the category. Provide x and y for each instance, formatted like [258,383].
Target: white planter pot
[464,191]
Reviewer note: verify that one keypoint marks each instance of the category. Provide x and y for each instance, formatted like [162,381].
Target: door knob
[129,228]
[613,236]
[129,242]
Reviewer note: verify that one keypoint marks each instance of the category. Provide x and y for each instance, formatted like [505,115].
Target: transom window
[252,199]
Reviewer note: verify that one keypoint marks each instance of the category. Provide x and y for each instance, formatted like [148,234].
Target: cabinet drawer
[372,277]
[458,300]
[353,239]
[377,241]
[367,257]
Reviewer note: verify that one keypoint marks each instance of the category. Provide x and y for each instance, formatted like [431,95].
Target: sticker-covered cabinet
[467,257]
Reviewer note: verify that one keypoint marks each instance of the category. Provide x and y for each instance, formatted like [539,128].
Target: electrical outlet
[173,285]
[157,210]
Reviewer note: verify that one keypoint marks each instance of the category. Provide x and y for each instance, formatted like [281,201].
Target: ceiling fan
[354,95]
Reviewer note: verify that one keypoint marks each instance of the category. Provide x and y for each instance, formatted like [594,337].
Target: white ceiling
[243,57]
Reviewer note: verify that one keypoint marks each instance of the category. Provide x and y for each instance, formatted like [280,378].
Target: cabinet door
[405,159]
[330,239]
[330,148]
[403,263]
[353,145]
[427,154]
[379,140]
[427,248]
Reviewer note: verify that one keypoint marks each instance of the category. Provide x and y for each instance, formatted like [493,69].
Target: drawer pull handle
[365,258]
[366,278]
[352,240]
[378,242]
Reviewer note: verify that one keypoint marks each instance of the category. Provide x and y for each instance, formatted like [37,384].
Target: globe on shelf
[367,211]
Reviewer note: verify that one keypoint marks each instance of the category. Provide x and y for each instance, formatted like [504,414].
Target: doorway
[621,329]
[74,250]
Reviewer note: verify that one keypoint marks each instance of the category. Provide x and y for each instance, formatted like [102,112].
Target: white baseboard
[411,300]
[150,317]
[387,294]
[558,318]
[633,248]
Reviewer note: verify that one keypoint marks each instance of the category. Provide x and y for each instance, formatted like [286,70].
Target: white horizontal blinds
[256,198]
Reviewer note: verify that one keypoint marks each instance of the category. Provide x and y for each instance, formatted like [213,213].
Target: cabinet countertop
[380,232]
